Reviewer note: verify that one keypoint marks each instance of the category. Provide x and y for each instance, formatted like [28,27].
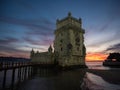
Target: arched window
[77,41]
[69,46]
[77,48]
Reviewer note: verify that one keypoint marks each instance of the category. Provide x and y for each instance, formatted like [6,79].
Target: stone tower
[69,42]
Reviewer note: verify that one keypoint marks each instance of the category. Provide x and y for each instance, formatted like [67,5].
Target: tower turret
[50,49]
[32,53]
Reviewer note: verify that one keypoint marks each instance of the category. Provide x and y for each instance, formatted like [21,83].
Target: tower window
[60,45]
[77,34]
[61,34]
[77,48]
[77,39]
[61,48]
[61,40]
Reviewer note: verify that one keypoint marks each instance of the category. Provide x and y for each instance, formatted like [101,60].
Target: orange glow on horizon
[96,57]
[89,56]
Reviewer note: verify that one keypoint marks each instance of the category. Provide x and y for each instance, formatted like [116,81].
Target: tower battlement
[68,21]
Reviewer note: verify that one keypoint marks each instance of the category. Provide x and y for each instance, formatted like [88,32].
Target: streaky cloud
[8,40]
[114,48]
[24,4]
[7,50]
[42,24]
[44,41]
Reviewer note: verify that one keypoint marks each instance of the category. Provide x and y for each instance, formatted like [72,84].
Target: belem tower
[69,48]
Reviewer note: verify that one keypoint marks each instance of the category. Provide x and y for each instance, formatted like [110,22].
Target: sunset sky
[27,24]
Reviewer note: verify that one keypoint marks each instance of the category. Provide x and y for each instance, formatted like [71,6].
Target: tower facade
[69,42]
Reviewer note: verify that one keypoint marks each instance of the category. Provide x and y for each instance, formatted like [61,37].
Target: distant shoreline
[95,61]
[111,64]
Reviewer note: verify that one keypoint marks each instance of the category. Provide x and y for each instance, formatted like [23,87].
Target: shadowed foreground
[47,80]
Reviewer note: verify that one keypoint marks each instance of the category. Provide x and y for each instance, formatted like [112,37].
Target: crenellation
[69,21]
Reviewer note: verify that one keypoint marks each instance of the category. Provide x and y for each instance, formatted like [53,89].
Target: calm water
[96,65]
[66,80]
[96,82]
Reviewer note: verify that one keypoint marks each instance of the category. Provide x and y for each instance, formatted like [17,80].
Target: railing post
[29,71]
[1,65]
[13,79]
[12,64]
[25,68]
[4,79]
[19,75]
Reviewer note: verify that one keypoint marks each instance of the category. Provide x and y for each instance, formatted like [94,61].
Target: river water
[101,78]
[79,79]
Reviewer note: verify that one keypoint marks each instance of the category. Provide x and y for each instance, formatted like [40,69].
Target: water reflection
[94,82]
[96,65]
[99,66]
[48,79]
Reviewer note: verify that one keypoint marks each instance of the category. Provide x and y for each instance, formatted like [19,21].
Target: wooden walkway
[23,70]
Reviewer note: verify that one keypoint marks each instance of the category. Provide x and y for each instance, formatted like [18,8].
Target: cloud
[41,27]
[8,40]
[105,26]
[43,41]
[43,31]
[41,23]
[30,47]
[24,4]
[115,9]
[8,47]
[9,50]
[38,34]
[31,41]
[5,31]
[15,54]
[114,48]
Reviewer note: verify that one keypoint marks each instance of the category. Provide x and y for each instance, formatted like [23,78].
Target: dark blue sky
[27,24]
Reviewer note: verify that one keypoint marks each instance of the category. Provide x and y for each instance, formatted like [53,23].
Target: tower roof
[69,16]
[68,20]
[50,49]
[32,50]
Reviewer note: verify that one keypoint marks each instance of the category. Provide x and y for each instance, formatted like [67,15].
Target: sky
[27,24]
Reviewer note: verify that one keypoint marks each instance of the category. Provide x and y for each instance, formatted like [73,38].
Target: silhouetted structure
[112,60]
[113,57]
